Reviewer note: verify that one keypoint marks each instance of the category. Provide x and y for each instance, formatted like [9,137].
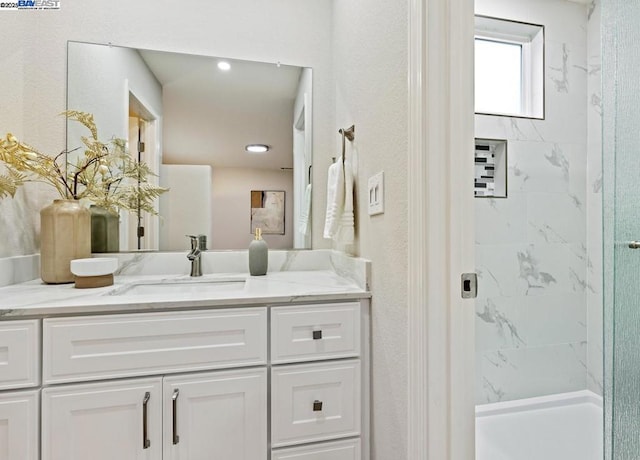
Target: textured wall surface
[531,248]
[370,68]
[19,218]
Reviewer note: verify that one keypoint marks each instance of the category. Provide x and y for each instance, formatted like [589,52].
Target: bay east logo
[39,4]
[30,5]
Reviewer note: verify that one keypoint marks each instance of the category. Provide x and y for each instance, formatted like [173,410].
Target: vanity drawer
[99,347]
[315,402]
[315,332]
[19,354]
[340,450]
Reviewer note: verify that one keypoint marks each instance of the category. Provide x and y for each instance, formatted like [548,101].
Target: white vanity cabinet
[269,382]
[219,414]
[180,413]
[320,381]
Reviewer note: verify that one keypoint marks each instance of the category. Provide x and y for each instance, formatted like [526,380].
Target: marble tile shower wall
[531,248]
[595,325]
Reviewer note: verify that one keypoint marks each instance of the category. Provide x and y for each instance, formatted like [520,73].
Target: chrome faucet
[198,245]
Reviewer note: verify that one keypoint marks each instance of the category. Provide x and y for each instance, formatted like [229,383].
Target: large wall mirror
[191,118]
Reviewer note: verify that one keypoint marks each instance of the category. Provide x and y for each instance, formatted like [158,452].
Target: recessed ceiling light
[257,148]
[224,65]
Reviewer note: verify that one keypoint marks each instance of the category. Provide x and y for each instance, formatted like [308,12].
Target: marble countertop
[36,299]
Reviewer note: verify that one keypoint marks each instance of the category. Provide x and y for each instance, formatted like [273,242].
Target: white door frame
[301,171]
[441,234]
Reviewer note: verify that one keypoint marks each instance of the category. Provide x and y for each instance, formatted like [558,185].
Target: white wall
[531,248]
[186,209]
[33,79]
[370,56]
[231,206]
[19,217]
[101,81]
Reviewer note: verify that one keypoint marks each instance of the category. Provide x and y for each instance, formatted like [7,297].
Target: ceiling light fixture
[257,148]
[224,65]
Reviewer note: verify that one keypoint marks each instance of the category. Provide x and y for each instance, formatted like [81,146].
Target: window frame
[532,67]
[523,84]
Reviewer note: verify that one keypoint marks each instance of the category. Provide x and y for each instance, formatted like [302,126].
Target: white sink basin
[181,287]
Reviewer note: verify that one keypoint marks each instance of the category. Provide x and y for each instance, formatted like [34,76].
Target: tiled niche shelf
[490,168]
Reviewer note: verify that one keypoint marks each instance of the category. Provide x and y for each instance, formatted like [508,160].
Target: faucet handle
[202,242]
[198,241]
[194,241]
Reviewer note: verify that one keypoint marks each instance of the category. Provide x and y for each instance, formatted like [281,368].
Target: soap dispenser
[258,255]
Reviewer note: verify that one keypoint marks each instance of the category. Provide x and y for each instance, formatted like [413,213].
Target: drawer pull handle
[317,406]
[317,335]
[174,403]
[146,443]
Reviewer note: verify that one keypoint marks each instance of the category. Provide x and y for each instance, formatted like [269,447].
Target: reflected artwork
[267,211]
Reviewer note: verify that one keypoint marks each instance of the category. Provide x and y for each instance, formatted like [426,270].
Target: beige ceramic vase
[65,234]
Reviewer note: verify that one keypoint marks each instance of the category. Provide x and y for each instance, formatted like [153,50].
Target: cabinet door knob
[146,443]
[317,335]
[317,406]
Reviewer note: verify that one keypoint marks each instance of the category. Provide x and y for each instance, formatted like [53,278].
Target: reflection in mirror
[267,211]
[191,118]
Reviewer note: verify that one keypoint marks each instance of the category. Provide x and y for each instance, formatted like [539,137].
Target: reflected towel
[303,223]
[335,199]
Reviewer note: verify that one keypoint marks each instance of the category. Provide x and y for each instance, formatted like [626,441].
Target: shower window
[509,68]
[498,76]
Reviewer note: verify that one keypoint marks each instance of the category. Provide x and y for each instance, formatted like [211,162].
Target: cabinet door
[19,426]
[103,421]
[218,415]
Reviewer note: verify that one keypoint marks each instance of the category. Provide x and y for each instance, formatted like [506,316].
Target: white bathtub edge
[540,402]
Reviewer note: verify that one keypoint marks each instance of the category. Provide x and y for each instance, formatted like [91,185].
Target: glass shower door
[621,187]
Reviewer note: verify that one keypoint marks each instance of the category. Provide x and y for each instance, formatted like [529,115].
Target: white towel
[346,230]
[303,222]
[335,199]
[339,221]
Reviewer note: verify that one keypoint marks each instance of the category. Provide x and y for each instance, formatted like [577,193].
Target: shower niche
[490,161]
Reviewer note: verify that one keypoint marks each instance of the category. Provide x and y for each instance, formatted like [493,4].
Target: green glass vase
[105,230]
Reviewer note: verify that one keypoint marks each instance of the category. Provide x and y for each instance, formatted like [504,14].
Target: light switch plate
[376,194]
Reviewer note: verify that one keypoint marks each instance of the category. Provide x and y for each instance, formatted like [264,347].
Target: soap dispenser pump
[258,255]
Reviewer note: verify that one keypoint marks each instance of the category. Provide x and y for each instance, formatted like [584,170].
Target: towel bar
[349,133]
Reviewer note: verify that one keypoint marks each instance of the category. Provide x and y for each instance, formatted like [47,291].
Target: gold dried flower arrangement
[106,175]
